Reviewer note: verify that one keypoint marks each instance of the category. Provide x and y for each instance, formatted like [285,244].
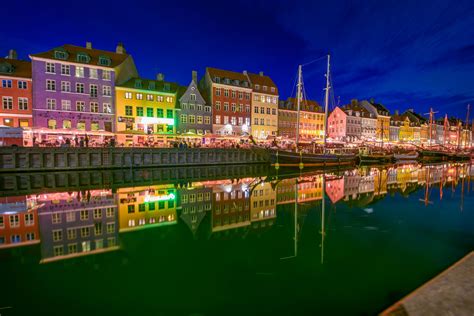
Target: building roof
[73,51]
[150,85]
[356,107]
[15,68]
[262,80]
[417,116]
[235,78]
[306,105]
[381,109]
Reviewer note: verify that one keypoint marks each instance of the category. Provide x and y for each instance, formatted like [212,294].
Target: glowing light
[155,198]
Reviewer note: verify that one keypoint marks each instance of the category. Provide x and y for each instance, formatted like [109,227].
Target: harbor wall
[37,159]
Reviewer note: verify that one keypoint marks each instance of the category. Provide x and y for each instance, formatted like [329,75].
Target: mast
[445,129]
[431,126]
[326,102]
[323,208]
[298,100]
[467,125]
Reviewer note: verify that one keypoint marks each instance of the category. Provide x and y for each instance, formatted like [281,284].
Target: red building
[229,93]
[18,222]
[15,92]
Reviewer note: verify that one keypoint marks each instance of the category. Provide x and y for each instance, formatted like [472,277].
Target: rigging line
[294,85]
[315,60]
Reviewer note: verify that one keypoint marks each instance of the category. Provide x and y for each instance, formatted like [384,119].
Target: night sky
[404,54]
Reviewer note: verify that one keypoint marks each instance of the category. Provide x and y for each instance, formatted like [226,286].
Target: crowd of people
[75,141]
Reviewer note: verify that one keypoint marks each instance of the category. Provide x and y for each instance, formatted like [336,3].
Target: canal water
[343,242]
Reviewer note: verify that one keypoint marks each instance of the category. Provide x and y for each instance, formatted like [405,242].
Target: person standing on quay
[86,139]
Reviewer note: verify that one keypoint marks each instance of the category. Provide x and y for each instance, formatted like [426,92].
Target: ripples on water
[343,242]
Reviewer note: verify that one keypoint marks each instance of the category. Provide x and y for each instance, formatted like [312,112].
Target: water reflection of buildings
[146,207]
[18,222]
[76,223]
[263,205]
[194,201]
[309,189]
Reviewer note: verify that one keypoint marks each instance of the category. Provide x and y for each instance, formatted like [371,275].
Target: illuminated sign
[155,120]
[126,119]
[151,198]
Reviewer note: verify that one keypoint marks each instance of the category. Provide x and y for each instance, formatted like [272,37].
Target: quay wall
[38,159]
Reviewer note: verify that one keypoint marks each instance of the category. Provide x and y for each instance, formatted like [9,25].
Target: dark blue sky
[404,54]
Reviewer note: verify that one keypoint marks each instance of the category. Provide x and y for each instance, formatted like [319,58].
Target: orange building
[15,92]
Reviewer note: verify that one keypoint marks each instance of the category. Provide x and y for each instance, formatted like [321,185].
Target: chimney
[89,45]
[244,72]
[195,76]
[410,110]
[396,112]
[261,73]
[120,49]
[12,54]
[160,77]
[354,102]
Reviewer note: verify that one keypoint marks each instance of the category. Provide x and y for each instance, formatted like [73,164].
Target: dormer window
[246,84]
[138,83]
[151,85]
[217,79]
[227,81]
[61,54]
[257,87]
[167,87]
[272,89]
[6,68]
[236,82]
[83,58]
[264,88]
[104,61]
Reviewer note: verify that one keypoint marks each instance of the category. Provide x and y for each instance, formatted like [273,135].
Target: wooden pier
[450,293]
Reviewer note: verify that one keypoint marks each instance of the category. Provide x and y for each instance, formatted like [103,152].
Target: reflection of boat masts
[323,208]
[427,190]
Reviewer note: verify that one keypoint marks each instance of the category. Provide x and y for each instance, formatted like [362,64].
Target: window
[94,126]
[110,212]
[193,97]
[226,119]
[81,125]
[14,220]
[93,90]
[60,54]
[262,121]
[107,91]
[93,73]
[106,108]
[234,94]
[30,236]
[110,228]
[7,103]
[50,85]
[131,208]
[79,72]
[255,121]
[139,111]
[94,107]
[233,120]
[151,206]
[71,248]
[56,218]
[241,95]
[58,251]
[106,74]
[65,70]
[71,233]
[169,99]
[149,112]
[79,88]
[50,69]
[199,119]
[104,61]
[184,118]
[207,120]
[218,119]
[218,92]
[207,108]
[159,112]
[83,58]
[226,106]
[2,224]
[233,107]
[80,106]
[51,104]
[192,119]
[128,95]
[22,85]
[57,235]
[65,86]
[226,92]
[84,215]
[67,124]
[128,110]
[149,97]
[85,231]
[159,98]
[52,124]
[66,105]
[97,228]
[6,83]
[169,113]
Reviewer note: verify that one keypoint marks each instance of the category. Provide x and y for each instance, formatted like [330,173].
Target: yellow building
[263,202]
[146,207]
[264,106]
[311,120]
[383,119]
[406,133]
[309,188]
[145,111]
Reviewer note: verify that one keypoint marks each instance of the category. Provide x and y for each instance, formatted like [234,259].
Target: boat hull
[285,158]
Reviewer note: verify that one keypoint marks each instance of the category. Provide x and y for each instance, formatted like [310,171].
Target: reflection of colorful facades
[263,203]
[146,207]
[146,111]
[335,188]
[18,222]
[311,120]
[229,93]
[77,224]
[264,106]
[15,92]
[309,189]
[74,90]
[195,201]
[231,205]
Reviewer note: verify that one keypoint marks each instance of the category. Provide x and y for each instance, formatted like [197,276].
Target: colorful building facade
[230,94]
[146,111]
[311,124]
[74,91]
[15,92]
[18,222]
[382,114]
[264,117]
[195,115]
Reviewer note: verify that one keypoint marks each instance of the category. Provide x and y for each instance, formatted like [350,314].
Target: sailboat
[299,158]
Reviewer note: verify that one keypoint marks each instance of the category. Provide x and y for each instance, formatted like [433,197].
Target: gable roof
[159,85]
[356,107]
[94,54]
[231,75]
[15,68]
[306,105]
[186,91]
[262,80]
